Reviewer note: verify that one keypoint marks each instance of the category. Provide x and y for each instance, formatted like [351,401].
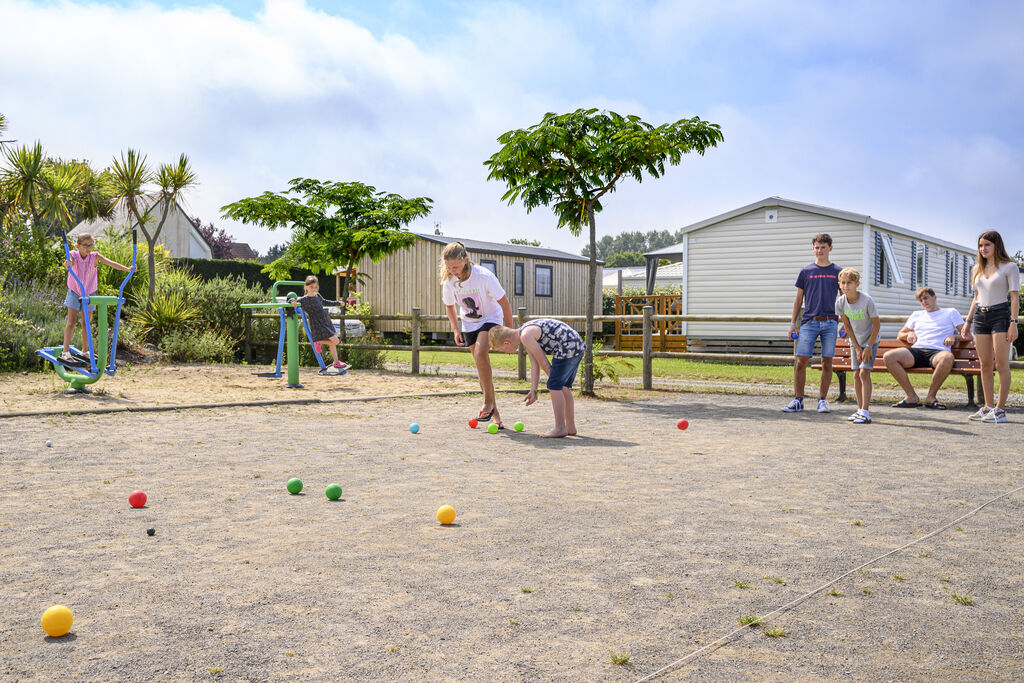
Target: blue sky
[910,112]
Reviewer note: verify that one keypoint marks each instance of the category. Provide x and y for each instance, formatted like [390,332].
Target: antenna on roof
[437,227]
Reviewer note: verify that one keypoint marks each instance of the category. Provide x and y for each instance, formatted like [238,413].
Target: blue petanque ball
[793,335]
[414,428]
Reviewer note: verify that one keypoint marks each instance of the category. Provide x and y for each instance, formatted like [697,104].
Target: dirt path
[637,539]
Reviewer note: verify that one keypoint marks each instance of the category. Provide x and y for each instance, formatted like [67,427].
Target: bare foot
[554,434]
[572,433]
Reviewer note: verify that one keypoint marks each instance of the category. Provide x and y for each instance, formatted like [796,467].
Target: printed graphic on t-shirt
[472,307]
[855,313]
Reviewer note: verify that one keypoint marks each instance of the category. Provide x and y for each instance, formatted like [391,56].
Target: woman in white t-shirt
[481,302]
[995,277]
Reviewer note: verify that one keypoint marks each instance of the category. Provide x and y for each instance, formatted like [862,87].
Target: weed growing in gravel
[513,622]
[774,579]
[670,595]
[214,670]
[392,649]
[924,554]
[788,510]
[898,577]
[945,580]
[857,522]
[749,621]
[834,593]
[528,590]
[866,591]
[742,584]
[620,659]
[777,632]
[959,528]
[290,653]
[577,608]
[963,599]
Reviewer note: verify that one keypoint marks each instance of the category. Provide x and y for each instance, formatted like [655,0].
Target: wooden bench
[965,363]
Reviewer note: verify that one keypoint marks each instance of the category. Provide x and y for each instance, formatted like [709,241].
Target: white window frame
[890,257]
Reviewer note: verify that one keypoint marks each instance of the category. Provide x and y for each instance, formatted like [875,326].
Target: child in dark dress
[320,326]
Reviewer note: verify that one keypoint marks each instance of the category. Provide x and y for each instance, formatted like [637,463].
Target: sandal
[485,417]
[500,425]
[935,405]
[906,404]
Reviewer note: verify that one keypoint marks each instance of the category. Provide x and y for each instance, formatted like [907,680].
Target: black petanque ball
[151,531]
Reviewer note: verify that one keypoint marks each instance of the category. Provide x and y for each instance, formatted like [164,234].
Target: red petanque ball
[473,423]
[137,499]
[682,424]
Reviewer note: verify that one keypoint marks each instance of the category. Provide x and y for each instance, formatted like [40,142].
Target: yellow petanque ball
[446,514]
[56,621]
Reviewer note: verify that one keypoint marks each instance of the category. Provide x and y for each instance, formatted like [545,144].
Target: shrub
[198,346]
[28,258]
[170,312]
[608,367]
[30,319]
[250,271]
[368,359]
[219,303]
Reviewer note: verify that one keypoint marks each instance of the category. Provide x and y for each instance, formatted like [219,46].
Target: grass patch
[742,584]
[857,522]
[214,670]
[834,593]
[774,579]
[528,590]
[749,621]
[776,632]
[866,591]
[620,659]
[963,599]
[513,622]
[898,577]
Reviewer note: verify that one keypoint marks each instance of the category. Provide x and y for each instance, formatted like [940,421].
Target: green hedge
[251,271]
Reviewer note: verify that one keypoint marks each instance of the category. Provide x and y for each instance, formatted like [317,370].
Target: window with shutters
[950,272]
[879,260]
[924,272]
[965,275]
[915,267]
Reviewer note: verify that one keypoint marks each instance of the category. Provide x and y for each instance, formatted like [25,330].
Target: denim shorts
[74,303]
[996,320]
[855,361]
[828,330]
[563,372]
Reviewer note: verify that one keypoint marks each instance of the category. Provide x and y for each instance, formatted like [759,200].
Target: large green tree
[571,161]
[139,189]
[334,224]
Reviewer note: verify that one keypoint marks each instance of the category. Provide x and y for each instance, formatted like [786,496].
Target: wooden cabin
[745,262]
[545,281]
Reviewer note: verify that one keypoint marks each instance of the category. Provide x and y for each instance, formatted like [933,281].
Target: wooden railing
[647,353]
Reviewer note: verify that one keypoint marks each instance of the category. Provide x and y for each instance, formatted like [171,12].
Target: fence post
[648,311]
[248,336]
[520,319]
[415,340]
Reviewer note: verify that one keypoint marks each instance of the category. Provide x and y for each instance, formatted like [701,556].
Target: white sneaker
[795,406]
[853,417]
[823,406]
[997,416]
[980,415]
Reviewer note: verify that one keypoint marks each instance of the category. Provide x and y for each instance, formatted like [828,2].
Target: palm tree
[130,176]
[24,182]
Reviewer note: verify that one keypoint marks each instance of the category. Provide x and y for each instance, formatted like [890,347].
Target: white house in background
[669,276]
[745,262]
[179,235]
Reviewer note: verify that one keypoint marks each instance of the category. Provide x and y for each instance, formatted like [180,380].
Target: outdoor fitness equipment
[289,333]
[78,376]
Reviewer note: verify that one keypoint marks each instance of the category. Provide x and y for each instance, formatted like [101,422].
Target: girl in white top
[482,304]
[995,276]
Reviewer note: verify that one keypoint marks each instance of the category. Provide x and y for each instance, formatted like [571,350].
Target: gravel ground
[633,539]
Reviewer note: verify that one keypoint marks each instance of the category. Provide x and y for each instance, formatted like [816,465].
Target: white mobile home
[745,262]
[179,235]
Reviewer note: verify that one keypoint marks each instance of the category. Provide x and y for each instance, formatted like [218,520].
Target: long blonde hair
[999,254]
[454,251]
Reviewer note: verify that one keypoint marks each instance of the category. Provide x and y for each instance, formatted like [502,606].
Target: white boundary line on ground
[710,647]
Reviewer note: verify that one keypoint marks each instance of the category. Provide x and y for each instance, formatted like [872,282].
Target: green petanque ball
[493,429]
[333,492]
[519,426]
[294,485]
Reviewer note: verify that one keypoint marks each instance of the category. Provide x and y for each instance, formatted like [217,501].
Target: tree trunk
[344,308]
[151,262]
[588,353]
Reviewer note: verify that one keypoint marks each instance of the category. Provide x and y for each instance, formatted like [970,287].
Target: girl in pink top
[83,262]
[994,320]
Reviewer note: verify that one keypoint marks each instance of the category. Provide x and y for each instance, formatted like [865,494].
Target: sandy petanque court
[634,541]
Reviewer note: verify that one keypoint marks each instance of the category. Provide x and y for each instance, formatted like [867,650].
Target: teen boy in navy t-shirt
[817,287]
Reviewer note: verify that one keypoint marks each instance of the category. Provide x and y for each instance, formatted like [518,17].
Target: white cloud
[884,109]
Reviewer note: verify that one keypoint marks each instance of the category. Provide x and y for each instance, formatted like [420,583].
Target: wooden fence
[647,352]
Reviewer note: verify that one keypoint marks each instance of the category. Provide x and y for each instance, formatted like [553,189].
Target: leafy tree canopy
[524,242]
[635,241]
[624,259]
[219,240]
[569,162]
[333,223]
